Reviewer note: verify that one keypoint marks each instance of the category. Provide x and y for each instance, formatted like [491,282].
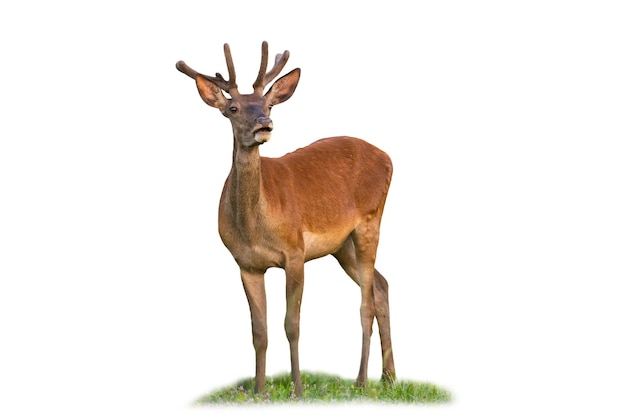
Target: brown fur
[326,198]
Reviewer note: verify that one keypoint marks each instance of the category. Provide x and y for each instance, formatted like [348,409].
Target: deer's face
[249,115]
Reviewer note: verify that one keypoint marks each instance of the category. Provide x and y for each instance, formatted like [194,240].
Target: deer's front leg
[254,285]
[294,272]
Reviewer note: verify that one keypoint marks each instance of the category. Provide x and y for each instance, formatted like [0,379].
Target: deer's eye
[233,109]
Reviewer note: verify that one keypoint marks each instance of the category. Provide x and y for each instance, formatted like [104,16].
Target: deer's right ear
[210,93]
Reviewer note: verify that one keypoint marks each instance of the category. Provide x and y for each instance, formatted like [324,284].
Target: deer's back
[333,176]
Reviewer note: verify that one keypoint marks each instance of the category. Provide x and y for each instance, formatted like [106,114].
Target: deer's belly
[317,244]
[266,252]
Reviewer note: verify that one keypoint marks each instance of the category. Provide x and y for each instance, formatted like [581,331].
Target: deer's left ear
[283,88]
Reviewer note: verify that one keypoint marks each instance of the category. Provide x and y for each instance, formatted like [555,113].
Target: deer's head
[249,114]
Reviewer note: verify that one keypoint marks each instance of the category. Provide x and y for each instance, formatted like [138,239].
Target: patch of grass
[324,388]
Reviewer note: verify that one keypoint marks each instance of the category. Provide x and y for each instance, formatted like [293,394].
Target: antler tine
[258,83]
[232,84]
[185,69]
[264,78]
[279,64]
[229,86]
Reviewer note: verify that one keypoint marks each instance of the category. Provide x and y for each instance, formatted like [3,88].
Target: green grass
[323,388]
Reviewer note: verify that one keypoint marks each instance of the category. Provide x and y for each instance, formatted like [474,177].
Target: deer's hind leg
[346,257]
[381,297]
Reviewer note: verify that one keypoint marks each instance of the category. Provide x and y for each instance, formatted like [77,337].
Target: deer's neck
[244,192]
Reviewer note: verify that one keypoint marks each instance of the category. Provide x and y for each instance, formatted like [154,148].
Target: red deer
[325,198]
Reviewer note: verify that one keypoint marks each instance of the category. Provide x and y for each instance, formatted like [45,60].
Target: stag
[325,198]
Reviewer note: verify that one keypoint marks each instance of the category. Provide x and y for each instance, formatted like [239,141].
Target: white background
[503,238]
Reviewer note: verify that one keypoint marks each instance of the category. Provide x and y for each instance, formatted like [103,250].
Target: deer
[326,198]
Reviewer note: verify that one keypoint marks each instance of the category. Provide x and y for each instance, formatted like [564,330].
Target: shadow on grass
[324,388]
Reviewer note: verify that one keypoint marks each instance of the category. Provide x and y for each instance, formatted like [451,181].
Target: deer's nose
[264,121]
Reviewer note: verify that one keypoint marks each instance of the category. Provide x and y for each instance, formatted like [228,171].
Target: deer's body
[294,228]
[326,198]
